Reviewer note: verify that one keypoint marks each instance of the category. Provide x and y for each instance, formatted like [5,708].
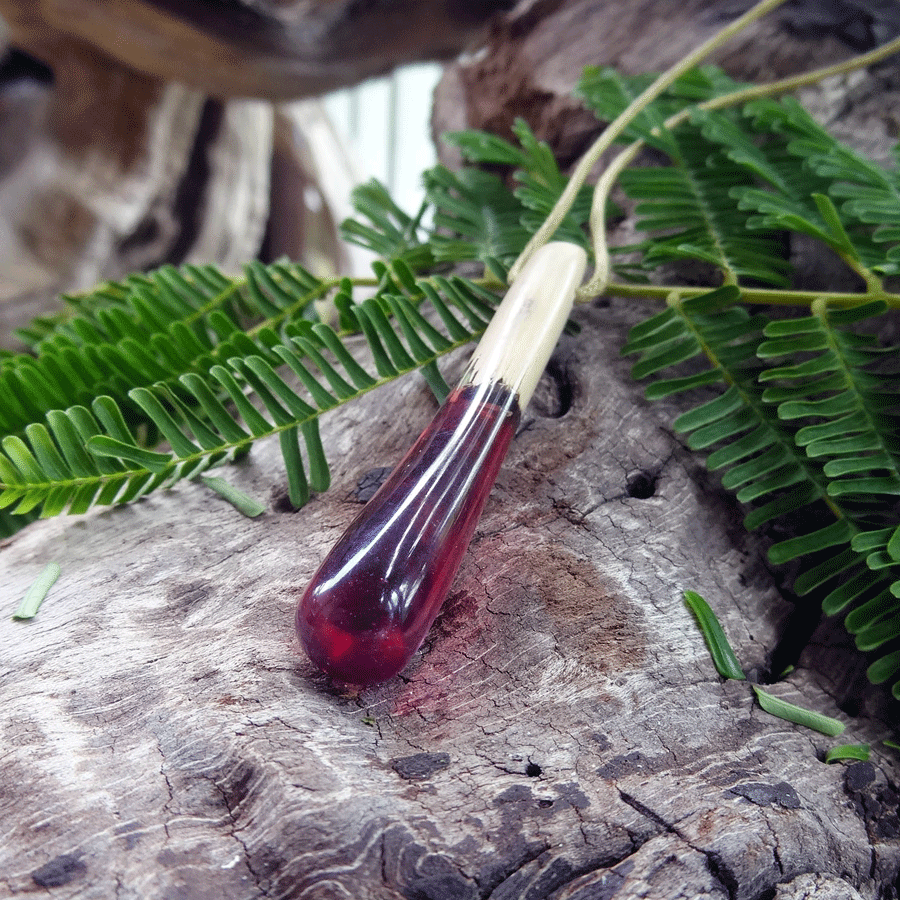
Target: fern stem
[621,122]
[598,283]
[804,79]
[874,284]
[289,313]
[766,296]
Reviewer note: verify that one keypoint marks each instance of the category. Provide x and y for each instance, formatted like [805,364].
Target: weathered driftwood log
[119,171]
[277,49]
[562,734]
[144,149]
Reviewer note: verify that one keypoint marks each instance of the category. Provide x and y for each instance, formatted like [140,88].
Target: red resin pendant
[373,599]
[371,602]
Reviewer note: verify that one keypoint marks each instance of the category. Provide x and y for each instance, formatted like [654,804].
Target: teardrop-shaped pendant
[373,599]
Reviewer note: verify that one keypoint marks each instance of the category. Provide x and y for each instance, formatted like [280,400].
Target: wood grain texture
[275,51]
[562,734]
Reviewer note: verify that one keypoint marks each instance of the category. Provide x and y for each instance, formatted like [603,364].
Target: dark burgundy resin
[373,599]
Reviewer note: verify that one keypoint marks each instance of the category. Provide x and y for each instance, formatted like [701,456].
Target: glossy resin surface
[373,599]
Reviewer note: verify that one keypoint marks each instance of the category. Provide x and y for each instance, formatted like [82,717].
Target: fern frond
[385,229]
[606,93]
[817,429]
[81,458]
[834,194]
[476,216]
[742,432]
[828,438]
[536,171]
[849,419]
[151,328]
[685,207]
[847,415]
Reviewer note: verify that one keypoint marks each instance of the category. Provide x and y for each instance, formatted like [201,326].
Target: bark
[535,55]
[562,734]
[272,50]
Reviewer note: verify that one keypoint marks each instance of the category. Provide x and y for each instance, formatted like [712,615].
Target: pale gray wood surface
[562,734]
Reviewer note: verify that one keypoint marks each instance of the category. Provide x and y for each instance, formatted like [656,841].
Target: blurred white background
[384,124]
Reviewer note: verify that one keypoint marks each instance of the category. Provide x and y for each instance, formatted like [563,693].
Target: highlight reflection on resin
[371,602]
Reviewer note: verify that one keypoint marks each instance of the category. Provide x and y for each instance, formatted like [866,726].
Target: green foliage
[799,715]
[804,428]
[839,197]
[210,403]
[727,665]
[35,595]
[385,229]
[683,205]
[858,752]
[539,181]
[724,658]
[165,375]
[239,500]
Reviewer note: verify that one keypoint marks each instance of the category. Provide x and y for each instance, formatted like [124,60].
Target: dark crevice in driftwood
[167,233]
[801,624]
[231,801]
[645,811]
[641,485]
[279,499]
[542,875]
[557,390]
[718,867]
[16,65]
[492,879]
